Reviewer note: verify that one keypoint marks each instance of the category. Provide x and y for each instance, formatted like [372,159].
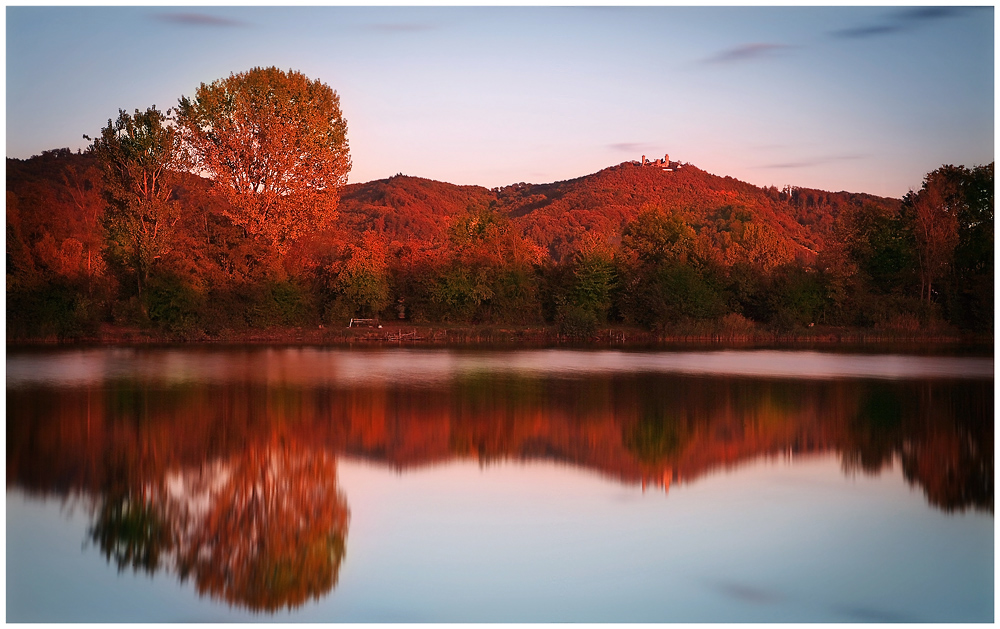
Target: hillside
[640,245]
[556,215]
[407,208]
[553,215]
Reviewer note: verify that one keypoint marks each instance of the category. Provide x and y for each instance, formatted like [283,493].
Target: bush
[172,304]
[57,309]
[576,321]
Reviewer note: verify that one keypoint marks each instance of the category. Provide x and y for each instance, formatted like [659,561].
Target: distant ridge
[557,215]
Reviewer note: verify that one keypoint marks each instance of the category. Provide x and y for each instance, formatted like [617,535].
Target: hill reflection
[233,483]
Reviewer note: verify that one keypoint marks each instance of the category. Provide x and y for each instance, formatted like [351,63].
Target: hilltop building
[663,164]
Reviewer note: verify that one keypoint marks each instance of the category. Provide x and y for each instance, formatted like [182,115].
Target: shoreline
[536,337]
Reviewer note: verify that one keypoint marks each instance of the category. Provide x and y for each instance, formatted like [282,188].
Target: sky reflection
[775,541]
[311,366]
[335,485]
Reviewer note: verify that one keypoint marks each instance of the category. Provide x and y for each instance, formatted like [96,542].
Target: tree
[138,154]
[488,275]
[276,145]
[970,290]
[934,211]
[365,277]
[587,297]
[655,238]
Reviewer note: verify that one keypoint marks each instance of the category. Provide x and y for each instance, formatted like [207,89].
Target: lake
[440,485]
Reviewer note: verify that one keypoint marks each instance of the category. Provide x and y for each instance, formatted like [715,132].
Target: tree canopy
[138,154]
[275,143]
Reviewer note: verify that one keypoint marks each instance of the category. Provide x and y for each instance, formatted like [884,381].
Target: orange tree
[275,143]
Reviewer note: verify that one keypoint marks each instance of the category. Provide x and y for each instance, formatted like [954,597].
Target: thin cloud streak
[400,27]
[197,19]
[630,147]
[900,21]
[808,163]
[747,593]
[747,52]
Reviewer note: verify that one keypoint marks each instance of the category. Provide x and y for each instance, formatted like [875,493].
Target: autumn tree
[275,143]
[933,211]
[138,154]
[81,182]
[364,280]
[266,529]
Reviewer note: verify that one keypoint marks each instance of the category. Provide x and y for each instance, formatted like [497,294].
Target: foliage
[138,155]
[364,281]
[656,436]
[968,293]
[586,301]
[173,303]
[656,238]
[933,215]
[675,253]
[275,143]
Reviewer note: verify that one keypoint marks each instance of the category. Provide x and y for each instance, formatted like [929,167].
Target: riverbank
[417,335]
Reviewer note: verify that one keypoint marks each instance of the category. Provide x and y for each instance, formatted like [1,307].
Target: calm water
[552,485]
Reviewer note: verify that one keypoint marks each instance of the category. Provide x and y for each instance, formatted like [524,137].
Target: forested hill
[641,246]
[556,215]
[553,215]
[408,208]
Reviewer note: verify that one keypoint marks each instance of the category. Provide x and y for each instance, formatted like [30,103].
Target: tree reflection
[874,432]
[656,436]
[233,484]
[263,529]
[130,532]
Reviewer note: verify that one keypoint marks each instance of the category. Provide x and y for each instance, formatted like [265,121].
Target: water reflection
[264,528]
[318,367]
[230,481]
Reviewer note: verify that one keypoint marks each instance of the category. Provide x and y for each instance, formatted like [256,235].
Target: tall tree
[970,291]
[934,211]
[275,143]
[139,160]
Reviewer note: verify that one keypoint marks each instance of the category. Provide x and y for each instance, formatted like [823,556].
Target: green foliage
[576,321]
[797,297]
[515,297]
[58,309]
[172,303]
[968,292]
[460,291]
[138,154]
[656,436]
[129,531]
[584,304]
[882,246]
[747,291]
[671,293]
[284,303]
[488,272]
[656,238]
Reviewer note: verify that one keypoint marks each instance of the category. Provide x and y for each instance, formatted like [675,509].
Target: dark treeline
[680,252]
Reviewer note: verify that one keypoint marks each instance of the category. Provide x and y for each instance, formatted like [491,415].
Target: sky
[863,99]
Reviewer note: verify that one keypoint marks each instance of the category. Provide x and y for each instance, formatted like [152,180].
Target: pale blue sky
[863,99]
